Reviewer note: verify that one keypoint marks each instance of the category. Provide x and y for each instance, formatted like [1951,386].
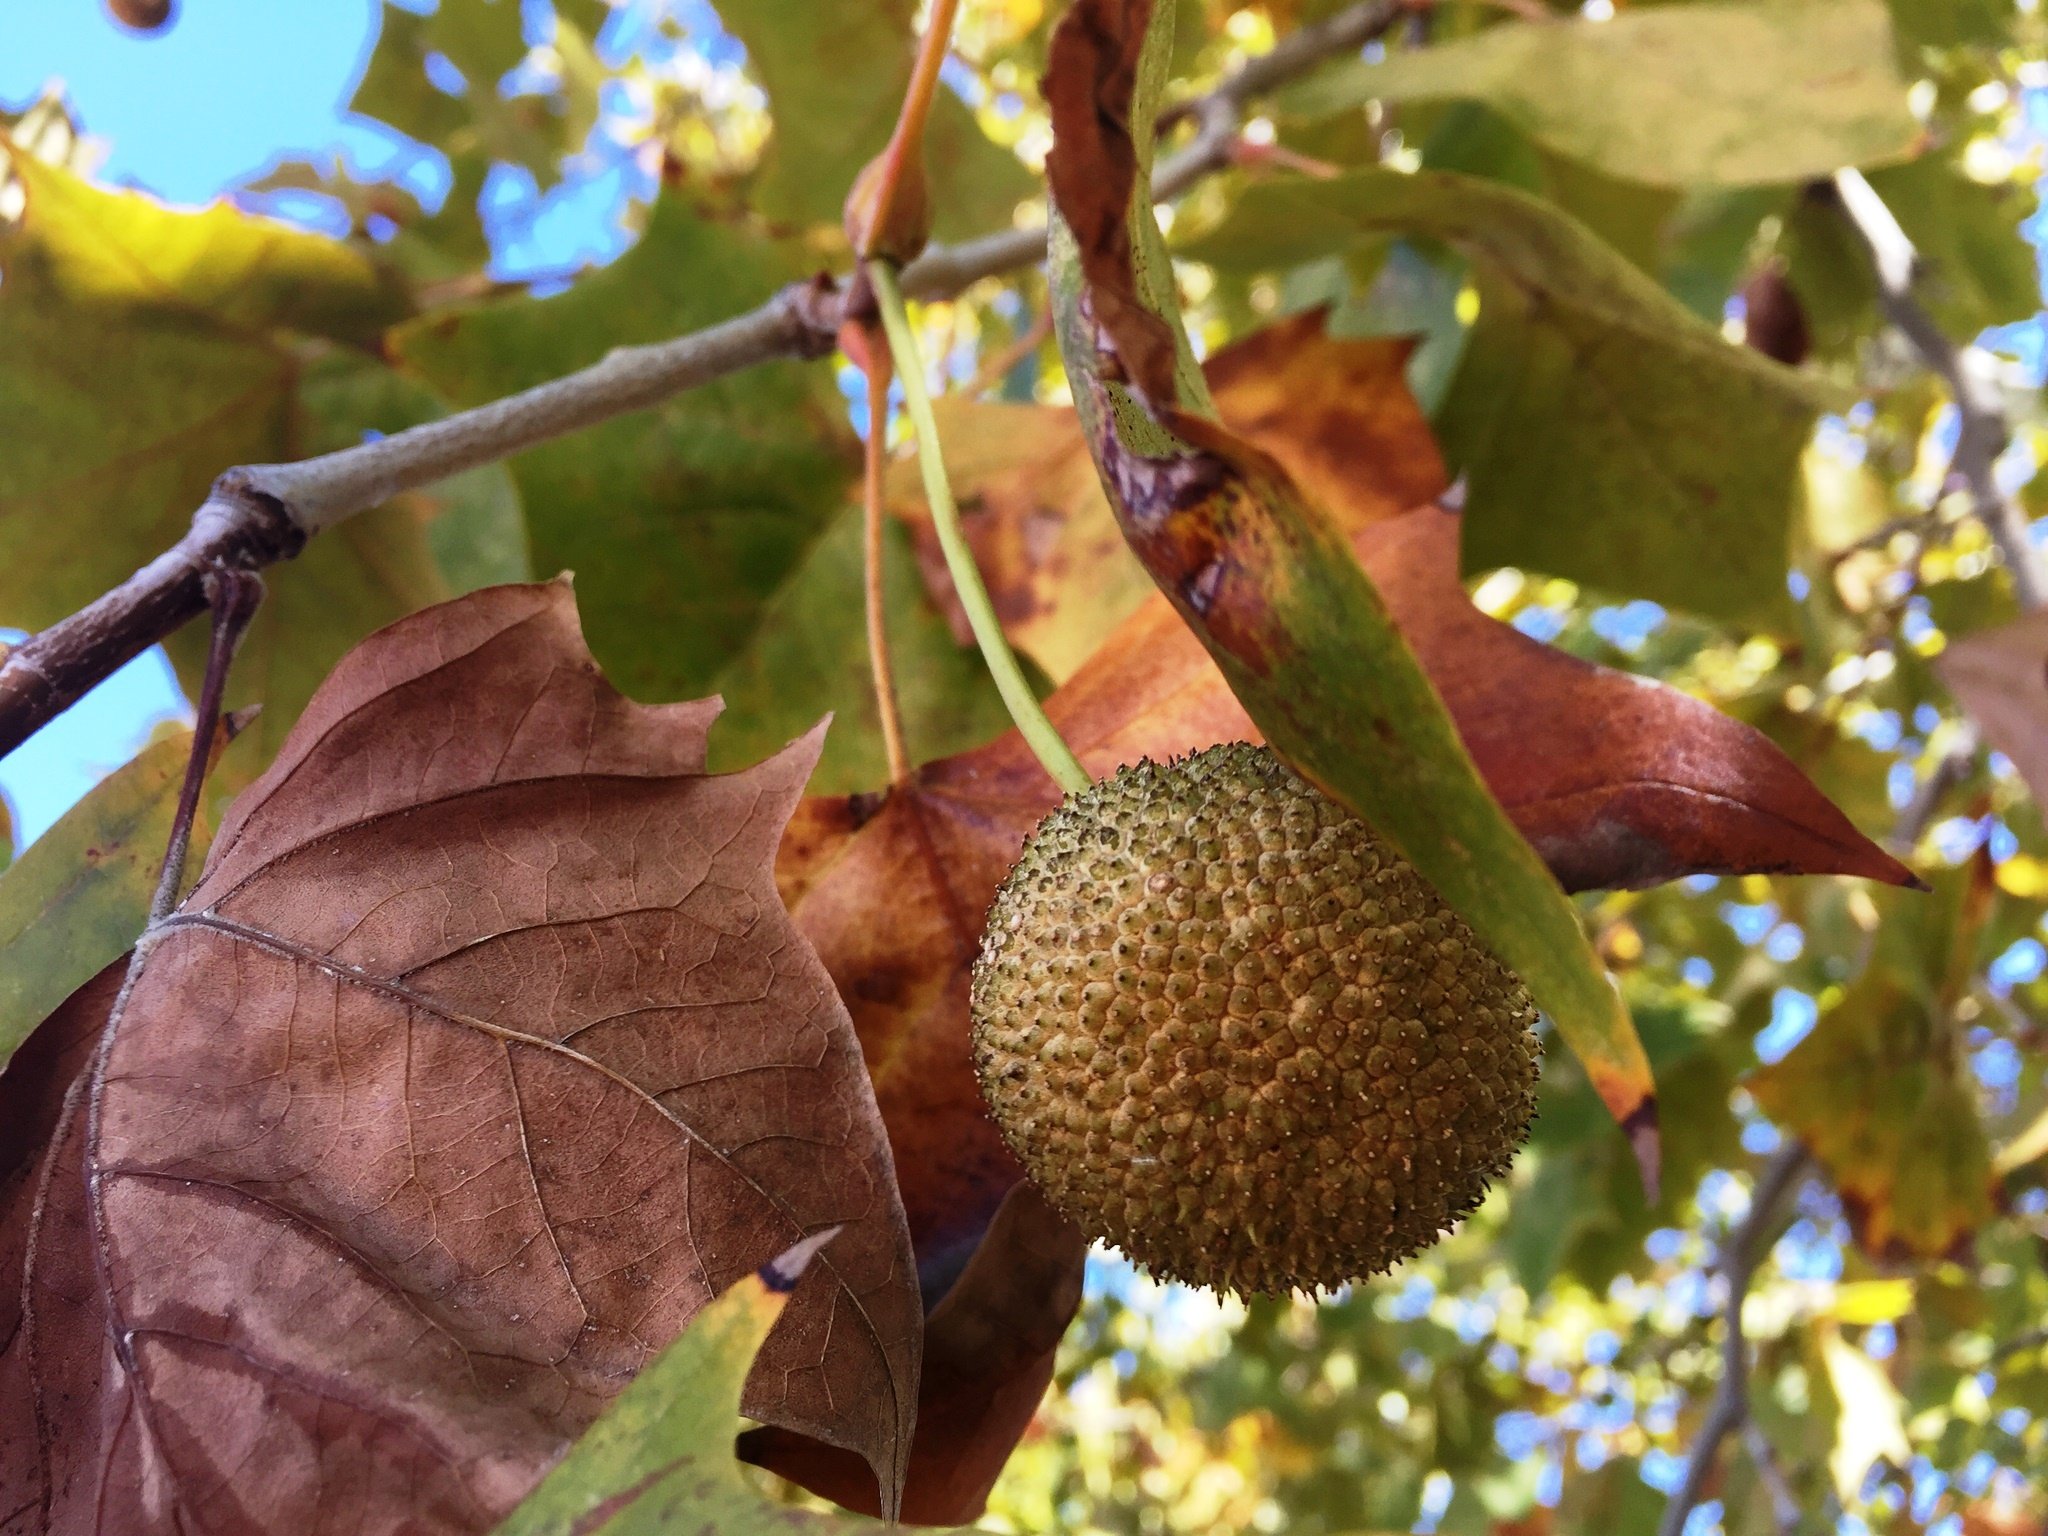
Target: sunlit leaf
[1608,435]
[1708,94]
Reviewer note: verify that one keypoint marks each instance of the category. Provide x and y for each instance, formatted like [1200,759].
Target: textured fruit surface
[1230,1030]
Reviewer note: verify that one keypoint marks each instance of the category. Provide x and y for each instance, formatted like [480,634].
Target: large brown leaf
[482,1056]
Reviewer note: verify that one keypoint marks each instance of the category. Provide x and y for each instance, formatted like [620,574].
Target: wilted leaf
[2000,676]
[1608,435]
[1880,1090]
[479,1060]
[680,522]
[989,1347]
[1264,578]
[78,896]
[835,75]
[1707,94]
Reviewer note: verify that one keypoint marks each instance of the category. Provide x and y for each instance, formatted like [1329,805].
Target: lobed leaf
[485,1048]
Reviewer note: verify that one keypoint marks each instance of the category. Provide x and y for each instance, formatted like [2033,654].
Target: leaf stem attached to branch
[1037,729]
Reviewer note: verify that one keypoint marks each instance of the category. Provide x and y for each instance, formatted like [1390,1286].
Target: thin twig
[1949,770]
[996,367]
[880,665]
[233,595]
[1764,1457]
[1967,371]
[1741,1253]
[258,515]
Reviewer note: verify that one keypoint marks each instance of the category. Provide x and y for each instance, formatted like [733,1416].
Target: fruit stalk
[1022,703]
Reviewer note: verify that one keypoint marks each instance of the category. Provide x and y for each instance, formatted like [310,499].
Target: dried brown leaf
[482,1056]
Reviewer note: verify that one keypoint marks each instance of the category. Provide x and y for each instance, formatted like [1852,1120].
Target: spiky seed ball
[1227,1028]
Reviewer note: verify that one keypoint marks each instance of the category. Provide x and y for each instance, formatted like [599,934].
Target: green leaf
[78,896]
[1607,433]
[1686,95]
[484,39]
[682,522]
[1880,1089]
[1952,23]
[835,76]
[660,1458]
[1976,269]
[145,350]
[809,657]
[1266,580]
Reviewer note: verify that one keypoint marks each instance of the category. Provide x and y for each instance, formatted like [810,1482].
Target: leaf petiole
[1039,731]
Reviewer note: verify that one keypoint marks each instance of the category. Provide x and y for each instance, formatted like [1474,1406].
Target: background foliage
[1572,259]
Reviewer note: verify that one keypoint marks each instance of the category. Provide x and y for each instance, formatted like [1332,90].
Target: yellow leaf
[1871,1428]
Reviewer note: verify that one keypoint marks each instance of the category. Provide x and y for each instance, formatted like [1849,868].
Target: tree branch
[1966,370]
[260,514]
[1740,1255]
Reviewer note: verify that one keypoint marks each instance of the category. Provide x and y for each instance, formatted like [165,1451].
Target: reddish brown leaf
[988,1358]
[1617,780]
[482,1056]
[1042,531]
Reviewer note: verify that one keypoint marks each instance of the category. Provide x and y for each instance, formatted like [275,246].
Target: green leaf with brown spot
[1265,577]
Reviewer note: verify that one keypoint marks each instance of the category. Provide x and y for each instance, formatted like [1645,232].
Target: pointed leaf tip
[781,1273]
